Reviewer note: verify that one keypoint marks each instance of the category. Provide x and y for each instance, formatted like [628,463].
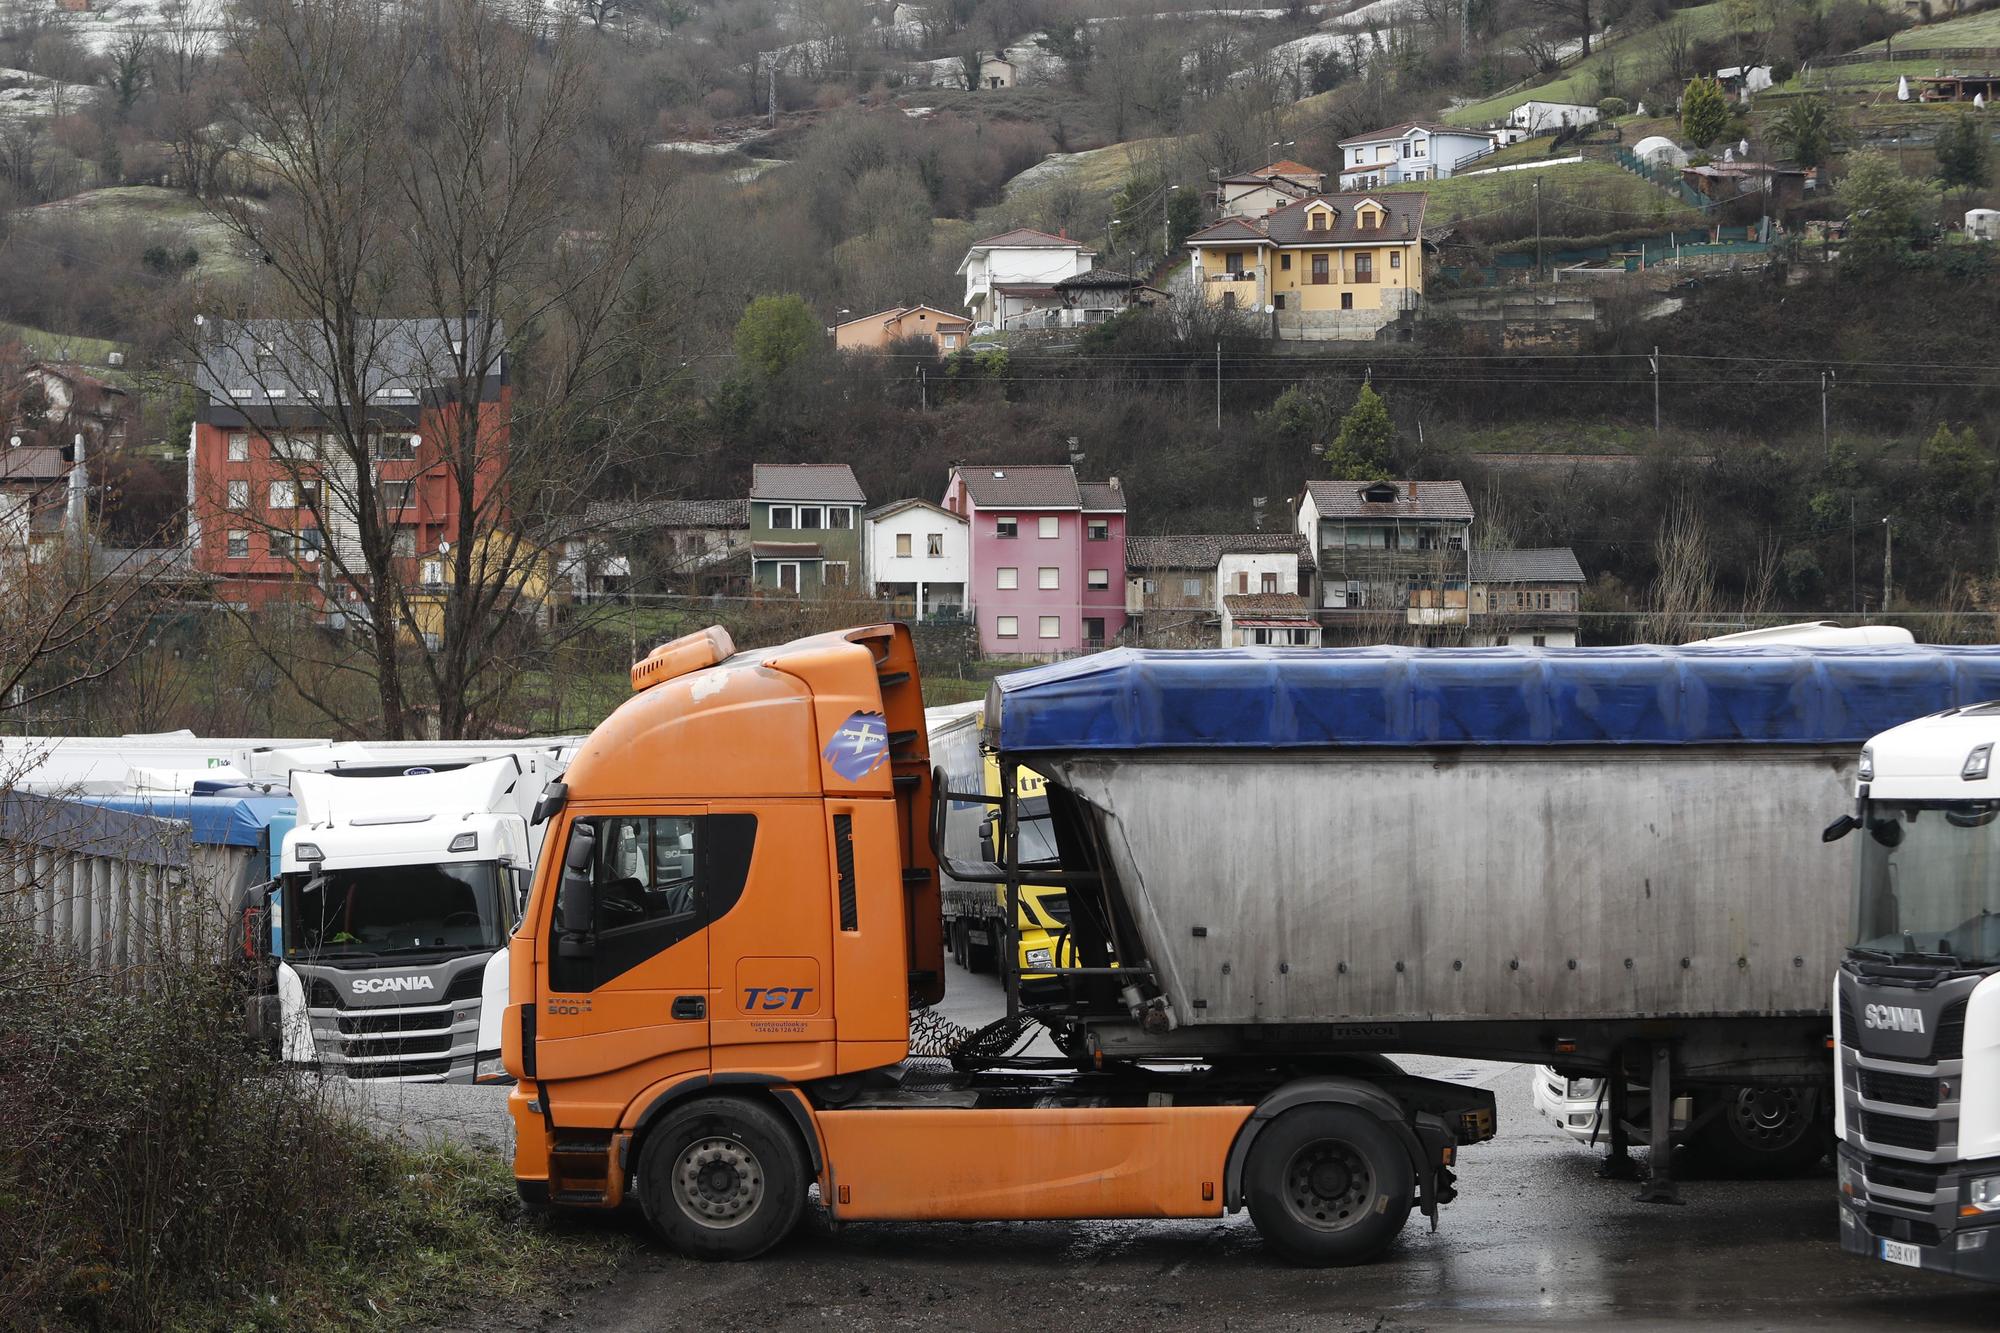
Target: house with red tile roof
[1329,267]
[1254,193]
[1046,571]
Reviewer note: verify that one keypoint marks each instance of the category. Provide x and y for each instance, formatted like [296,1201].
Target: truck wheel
[981,958]
[721,1178]
[1763,1133]
[1328,1185]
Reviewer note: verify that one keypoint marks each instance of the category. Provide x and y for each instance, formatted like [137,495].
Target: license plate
[1896,1252]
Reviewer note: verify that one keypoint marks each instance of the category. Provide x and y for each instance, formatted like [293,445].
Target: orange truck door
[640,993]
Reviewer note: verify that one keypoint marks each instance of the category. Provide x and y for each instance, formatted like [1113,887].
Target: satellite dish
[416,440]
[444,548]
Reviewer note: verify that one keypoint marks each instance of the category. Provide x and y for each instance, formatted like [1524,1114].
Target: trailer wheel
[722,1178]
[1761,1133]
[1328,1185]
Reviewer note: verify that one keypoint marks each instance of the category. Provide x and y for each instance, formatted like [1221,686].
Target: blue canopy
[1278,698]
[235,821]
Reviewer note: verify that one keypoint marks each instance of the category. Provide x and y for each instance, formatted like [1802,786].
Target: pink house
[1047,568]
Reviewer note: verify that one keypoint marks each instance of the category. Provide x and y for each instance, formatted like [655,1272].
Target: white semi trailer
[1917,999]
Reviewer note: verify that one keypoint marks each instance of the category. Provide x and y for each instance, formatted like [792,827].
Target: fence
[1667,178]
[1917,55]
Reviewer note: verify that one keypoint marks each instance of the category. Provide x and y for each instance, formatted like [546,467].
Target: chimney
[1413,492]
[1113,483]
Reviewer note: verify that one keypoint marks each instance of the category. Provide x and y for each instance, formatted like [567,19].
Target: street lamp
[1166,241]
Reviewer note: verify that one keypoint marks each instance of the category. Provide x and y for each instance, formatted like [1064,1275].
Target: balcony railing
[1236,275]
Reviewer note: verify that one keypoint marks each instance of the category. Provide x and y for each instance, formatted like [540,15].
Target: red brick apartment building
[272,488]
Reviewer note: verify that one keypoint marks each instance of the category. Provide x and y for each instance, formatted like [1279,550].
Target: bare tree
[432,241]
[1572,18]
[1683,591]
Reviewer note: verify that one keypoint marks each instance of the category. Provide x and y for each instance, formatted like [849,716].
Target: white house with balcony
[918,556]
[1415,150]
[1023,262]
[1258,597]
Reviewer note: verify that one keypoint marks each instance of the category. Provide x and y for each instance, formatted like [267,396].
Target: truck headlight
[1850,1179]
[1983,1193]
[1040,958]
[489,1069]
[1582,1089]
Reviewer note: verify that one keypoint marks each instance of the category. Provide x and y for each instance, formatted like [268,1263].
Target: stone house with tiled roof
[1390,554]
[805,529]
[1530,598]
[697,546]
[1174,585]
[1330,267]
[1414,150]
[1046,557]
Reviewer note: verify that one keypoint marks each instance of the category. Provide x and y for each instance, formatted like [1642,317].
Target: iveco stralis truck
[1280,865]
[385,934]
[1917,1000]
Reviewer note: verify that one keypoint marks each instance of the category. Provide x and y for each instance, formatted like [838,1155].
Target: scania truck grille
[1902,1089]
[1897,1132]
[413,1042]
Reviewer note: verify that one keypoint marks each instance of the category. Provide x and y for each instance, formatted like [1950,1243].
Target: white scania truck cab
[1917,1000]
[388,923]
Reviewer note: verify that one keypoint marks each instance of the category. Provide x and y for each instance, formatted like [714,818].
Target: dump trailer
[1280,865]
[1917,999]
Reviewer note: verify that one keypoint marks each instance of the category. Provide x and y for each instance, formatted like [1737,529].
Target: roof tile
[1205,550]
[1553,564]
[829,482]
[1032,487]
[1445,500]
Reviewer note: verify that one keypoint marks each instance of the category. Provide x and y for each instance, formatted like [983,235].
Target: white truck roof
[1925,760]
[1816,633]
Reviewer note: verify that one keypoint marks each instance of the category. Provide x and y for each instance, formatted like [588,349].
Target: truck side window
[657,880]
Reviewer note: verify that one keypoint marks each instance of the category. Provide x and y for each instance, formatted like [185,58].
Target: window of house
[295,446]
[934,545]
[1367,219]
[1541,641]
[1347,300]
[1051,627]
[1191,587]
[1406,149]
[839,517]
[310,543]
[788,576]
[1285,263]
[432,573]
[1364,267]
[1007,576]
[1006,528]
[833,574]
[239,446]
[404,543]
[811,516]
[1098,578]
[1320,275]
[1099,529]
[396,494]
[1233,262]
[281,544]
[784,516]
[1268,583]
[1093,631]
[1047,578]
[312,492]
[282,495]
[1049,526]
[394,444]
[1146,587]
[239,495]
[239,546]
[1278,301]
[903,545]
[1395,259]
[1007,627]
[1242,581]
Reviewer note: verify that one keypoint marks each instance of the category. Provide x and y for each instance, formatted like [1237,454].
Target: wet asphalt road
[1535,1240]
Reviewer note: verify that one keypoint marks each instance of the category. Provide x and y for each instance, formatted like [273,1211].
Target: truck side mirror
[1839,828]
[579,897]
[986,845]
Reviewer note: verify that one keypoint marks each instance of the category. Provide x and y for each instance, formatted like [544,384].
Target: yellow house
[1332,266]
[502,556]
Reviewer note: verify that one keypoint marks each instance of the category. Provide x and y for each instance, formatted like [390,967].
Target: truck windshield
[380,910]
[1929,881]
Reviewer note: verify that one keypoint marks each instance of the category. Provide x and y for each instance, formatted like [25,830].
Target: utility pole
[1853,569]
[1656,394]
[1166,235]
[923,391]
[1888,565]
[1538,228]
[1826,378]
[1218,384]
[771,102]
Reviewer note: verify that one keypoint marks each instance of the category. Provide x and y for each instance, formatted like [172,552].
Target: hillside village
[1266,294]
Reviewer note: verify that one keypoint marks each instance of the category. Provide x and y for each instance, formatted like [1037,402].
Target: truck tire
[1762,1133]
[1328,1185]
[722,1178]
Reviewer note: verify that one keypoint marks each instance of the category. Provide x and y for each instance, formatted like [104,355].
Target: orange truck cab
[736,911]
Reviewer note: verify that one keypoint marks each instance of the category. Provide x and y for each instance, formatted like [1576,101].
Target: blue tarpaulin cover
[1278,698]
[235,821]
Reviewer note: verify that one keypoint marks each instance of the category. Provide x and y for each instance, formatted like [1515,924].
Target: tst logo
[775,997]
[379,985]
[1892,1018]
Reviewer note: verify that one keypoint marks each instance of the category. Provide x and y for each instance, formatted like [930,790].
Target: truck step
[917,878]
[888,679]
[574,1196]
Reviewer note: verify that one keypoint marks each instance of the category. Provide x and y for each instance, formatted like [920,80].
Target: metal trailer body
[1603,859]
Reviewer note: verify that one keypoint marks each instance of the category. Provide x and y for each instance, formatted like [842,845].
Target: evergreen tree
[1363,448]
[1704,111]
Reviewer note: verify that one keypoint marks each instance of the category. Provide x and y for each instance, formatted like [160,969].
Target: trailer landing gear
[1660,1186]
[1618,1165]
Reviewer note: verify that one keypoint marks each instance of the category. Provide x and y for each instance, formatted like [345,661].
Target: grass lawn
[1578,83]
[1626,200]
[150,206]
[1973,30]
[40,345]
